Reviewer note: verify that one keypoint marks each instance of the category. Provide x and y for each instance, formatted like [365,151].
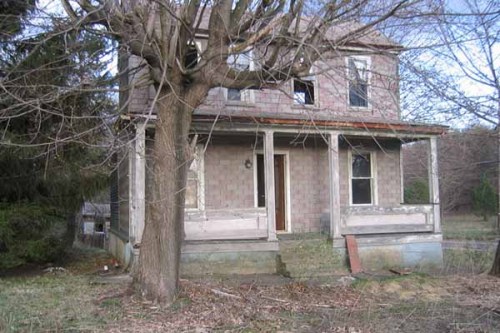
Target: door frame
[286,153]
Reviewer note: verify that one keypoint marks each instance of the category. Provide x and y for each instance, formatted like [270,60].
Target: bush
[30,234]
[484,199]
[417,192]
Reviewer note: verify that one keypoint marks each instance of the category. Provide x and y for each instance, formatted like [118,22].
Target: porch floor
[310,255]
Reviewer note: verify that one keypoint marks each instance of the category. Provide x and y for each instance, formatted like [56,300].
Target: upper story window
[241,62]
[191,57]
[303,90]
[358,73]
[362,178]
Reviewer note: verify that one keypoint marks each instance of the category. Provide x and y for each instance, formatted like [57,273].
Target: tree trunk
[160,250]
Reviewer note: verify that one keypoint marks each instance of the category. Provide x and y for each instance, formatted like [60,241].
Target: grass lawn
[469,227]
[69,302]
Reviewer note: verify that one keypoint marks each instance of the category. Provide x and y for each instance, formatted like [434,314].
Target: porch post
[269,181]
[434,183]
[334,179]
[138,195]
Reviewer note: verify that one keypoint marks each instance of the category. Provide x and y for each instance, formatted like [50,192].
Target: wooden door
[279,188]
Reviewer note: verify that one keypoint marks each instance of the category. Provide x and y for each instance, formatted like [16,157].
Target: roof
[93,209]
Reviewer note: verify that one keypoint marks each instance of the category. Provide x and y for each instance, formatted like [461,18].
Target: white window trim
[311,77]
[368,60]
[373,170]
[288,209]
[247,95]
[200,159]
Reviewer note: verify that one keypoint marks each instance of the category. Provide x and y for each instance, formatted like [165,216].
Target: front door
[279,188]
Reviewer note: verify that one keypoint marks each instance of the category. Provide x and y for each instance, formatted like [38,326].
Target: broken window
[362,180]
[194,198]
[303,91]
[358,81]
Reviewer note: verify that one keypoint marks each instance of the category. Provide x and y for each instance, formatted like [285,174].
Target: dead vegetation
[69,301]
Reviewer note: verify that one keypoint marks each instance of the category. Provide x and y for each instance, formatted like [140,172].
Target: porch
[251,183]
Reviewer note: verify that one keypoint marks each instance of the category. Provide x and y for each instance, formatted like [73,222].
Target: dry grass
[68,302]
[469,227]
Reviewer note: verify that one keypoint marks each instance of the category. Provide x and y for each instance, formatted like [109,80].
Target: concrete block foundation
[421,252]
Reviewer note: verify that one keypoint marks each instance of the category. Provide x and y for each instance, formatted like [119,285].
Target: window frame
[312,78]
[373,178]
[247,96]
[200,160]
[368,61]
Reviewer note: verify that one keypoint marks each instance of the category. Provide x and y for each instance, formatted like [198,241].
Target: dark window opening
[358,82]
[191,58]
[99,227]
[361,179]
[361,191]
[233,94]
[358,94]
[303,92]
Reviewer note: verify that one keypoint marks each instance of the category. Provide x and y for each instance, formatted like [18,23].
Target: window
[303,90]
[362,178]
[358,74]
[240,62]
[195,197]
[191,57]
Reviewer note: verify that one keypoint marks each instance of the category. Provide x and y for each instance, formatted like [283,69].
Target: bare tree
[287,37]
[452,75]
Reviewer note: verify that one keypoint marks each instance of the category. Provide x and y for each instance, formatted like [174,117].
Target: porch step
[309,258]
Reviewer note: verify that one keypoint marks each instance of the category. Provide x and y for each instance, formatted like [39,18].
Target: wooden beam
[334,184]
[252,128]
[434,183]
[387,229]
[269,181]
[352,252]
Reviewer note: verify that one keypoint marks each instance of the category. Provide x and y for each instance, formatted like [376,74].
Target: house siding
[331,94]
[229,185]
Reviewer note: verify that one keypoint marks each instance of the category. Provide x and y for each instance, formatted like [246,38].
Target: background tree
[53,127]
[452,74]
[484,199]
[11,14]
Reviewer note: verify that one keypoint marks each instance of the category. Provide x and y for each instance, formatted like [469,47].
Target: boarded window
[194,186]
[361,179]
[358,82]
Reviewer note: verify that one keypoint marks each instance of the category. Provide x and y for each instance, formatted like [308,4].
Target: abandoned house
[321,154]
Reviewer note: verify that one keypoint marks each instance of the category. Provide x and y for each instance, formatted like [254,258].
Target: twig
[274,299]
[221,293]
[406,318]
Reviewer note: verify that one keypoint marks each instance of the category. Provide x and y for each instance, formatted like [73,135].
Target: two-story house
[321,153]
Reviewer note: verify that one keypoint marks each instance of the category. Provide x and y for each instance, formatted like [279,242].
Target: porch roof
[339,123]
